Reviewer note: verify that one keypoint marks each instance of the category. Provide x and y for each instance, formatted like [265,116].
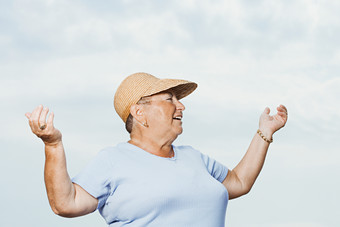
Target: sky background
[245,55]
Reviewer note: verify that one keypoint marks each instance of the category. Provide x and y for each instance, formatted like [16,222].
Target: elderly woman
[148,181]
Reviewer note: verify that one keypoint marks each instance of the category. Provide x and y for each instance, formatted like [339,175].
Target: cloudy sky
[245,55]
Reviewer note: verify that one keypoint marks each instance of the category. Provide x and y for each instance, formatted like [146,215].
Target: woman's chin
[179,132]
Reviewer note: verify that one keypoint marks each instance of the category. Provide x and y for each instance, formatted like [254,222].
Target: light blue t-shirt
[136,188]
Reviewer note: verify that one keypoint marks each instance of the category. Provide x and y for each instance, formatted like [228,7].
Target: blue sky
[245,55]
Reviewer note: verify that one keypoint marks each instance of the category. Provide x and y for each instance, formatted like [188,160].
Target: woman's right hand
[42,128]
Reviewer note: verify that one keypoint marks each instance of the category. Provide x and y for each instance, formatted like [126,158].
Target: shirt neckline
[133,147]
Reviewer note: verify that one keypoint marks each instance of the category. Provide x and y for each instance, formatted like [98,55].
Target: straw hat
[138,85]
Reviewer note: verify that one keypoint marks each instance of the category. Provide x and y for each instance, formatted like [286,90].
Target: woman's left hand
[270,124]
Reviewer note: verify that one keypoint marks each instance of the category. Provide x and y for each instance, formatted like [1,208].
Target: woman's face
[164,114]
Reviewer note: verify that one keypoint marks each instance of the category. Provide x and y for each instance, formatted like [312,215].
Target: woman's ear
[137,111]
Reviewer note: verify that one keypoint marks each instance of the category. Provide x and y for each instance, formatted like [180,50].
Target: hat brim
[181,88]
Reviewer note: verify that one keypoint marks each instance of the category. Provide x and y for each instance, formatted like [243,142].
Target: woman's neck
[153,146]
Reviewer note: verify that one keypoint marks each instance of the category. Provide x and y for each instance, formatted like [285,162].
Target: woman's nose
[179,105]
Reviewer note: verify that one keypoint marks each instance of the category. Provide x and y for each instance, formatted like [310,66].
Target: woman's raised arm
[66,199]
[240,180]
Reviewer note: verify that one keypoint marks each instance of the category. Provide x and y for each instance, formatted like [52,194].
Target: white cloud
[245,55]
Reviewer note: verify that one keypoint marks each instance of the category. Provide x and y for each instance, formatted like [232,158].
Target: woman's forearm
[60,190]
[251,164]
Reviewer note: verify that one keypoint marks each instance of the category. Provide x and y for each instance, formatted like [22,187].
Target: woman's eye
[170,99]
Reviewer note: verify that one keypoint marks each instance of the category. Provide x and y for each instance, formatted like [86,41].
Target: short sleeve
[94,177]
[215,169]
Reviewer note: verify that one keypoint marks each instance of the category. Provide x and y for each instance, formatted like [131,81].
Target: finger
[266,110]
[283,115]
[50,120]
[36,112]
[28,115]
[31,117]
[283,109]
[35,117]
[280,109]
[42,119]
